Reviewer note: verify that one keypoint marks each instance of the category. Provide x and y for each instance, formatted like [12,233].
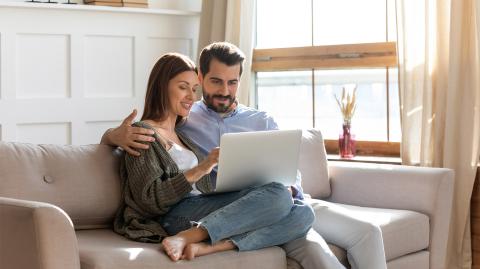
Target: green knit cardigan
[152,183]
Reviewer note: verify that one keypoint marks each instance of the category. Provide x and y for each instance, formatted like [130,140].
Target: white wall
[191,5]
[69,73]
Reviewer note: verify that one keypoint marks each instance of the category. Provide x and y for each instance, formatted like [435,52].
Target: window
[308,50]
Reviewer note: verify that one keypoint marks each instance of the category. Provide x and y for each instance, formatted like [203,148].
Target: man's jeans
[252,219]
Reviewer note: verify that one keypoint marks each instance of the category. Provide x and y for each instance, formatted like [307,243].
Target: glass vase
[346,142]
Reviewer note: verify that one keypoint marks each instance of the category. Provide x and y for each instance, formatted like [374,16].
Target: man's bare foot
[174,246]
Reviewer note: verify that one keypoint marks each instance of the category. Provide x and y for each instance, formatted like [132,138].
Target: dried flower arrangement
[347,104]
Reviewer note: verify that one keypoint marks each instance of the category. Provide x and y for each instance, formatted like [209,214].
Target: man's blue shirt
[205,127]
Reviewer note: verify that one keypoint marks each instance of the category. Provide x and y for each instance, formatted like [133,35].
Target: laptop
[256,158]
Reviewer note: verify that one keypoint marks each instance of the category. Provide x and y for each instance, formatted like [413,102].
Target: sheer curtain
[231,21]
[440,100]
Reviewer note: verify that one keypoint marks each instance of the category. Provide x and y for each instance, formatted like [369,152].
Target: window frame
[345,56]
[365,55]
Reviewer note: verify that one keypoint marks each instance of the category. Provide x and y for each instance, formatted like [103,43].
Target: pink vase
[346,142]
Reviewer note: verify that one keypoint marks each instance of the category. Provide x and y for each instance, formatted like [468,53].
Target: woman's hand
[204,167]
[211,161]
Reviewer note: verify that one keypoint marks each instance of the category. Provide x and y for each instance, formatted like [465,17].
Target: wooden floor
[475,223]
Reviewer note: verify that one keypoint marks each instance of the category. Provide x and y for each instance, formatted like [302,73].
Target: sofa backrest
[313,164]
[84,180]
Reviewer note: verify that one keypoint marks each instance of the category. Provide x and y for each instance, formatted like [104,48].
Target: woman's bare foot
[196,250]
[200,249]
[174,246]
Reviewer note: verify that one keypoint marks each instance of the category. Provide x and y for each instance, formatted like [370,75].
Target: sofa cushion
[82,180]
[403,231]
[103,249]
[419,259]
[313,164]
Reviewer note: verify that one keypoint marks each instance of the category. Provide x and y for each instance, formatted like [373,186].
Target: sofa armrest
[36,235]
[421,189]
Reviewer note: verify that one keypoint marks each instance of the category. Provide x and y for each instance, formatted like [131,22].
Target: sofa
[57,204]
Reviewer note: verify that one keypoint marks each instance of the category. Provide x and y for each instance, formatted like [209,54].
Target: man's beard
[220,108]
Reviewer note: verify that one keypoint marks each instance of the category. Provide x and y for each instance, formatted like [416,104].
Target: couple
[164,186]
[166,179]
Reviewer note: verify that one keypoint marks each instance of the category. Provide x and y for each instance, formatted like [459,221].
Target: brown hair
[224,52]
[157,96]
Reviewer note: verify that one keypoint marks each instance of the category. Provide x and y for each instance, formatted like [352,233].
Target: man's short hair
[224,52]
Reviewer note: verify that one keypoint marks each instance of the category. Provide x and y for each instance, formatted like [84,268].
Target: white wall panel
[95,129]
[68,73]
[158,46]
[44,133]
[42,66]
[108,69]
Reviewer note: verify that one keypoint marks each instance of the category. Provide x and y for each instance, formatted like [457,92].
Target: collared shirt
[205,127]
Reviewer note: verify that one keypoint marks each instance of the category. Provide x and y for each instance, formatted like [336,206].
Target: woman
[164,186]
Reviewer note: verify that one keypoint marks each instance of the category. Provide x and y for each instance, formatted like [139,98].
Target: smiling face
[181,93]
[220,86]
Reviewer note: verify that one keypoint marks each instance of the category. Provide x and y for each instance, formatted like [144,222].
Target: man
[219,112]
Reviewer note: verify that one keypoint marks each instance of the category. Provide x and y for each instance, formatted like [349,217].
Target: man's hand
[128,137]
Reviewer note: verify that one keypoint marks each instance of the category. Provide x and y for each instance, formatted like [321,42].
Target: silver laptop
[257,158]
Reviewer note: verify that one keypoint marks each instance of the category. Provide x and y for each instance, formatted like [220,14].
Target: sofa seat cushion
[403,231]
[104,249]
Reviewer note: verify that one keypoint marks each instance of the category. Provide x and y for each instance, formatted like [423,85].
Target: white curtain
[440,100]
[231,21]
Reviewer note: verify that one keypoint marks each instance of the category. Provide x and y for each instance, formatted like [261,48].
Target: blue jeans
[252,219]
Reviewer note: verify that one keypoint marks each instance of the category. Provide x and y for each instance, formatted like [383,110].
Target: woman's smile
[186,104]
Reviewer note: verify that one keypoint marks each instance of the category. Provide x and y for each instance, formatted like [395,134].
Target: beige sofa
[57,204]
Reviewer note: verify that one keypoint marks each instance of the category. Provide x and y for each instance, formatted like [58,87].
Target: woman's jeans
[254,218]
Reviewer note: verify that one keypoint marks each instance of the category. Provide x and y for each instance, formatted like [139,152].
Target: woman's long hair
[157,97]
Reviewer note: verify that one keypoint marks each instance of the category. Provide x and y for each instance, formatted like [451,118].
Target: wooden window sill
[366,159]
[368,148]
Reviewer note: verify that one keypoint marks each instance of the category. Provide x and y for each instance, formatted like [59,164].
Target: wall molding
[101,55]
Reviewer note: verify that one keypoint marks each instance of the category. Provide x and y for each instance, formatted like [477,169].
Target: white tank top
[185,160]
